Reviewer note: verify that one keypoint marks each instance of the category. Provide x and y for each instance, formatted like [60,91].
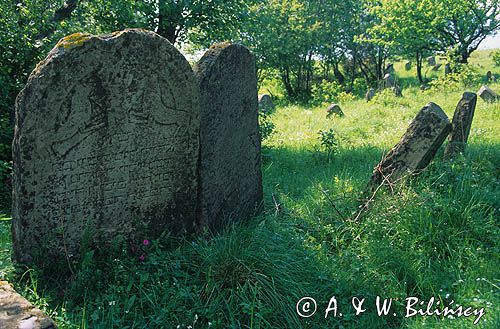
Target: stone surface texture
[416,148]
[17,313]
[461,124]
[106,145]
[230,161]
[488,95]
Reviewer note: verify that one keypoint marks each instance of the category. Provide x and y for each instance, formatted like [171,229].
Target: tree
[463,24]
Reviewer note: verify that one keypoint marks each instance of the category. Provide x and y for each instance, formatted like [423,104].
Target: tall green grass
[437,235]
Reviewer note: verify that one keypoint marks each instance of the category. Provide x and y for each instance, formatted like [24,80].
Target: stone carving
[416,148]
[17,313]
[334,109]
[266,103]
[106,145]
[488,95]
[230,161]
[461,123]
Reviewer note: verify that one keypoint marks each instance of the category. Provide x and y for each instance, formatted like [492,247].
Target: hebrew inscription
[106,145]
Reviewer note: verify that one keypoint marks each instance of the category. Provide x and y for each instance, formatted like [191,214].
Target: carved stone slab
[17,313]
[106,145]
[416,148]
[461,124]
[230,160]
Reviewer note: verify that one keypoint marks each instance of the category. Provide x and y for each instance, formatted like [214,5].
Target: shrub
[266,126]
[328,142]
[496,58]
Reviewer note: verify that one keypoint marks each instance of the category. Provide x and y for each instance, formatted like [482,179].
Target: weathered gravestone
[334,109]
[370,94]
[447,69]
[461,123]
[431,60]
[416,148]
[105,146]
[408,66]
[389,81]
[266,103]
[230,160]
[398,92]
[488,95]
[17,313]
[489,76]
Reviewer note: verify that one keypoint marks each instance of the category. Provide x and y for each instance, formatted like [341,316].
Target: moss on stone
[73,40]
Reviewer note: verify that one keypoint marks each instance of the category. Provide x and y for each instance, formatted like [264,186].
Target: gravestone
[488,95]
[408,66]
[416,148]
[431,60]
[230,160]
[17,313]
[334,109]
[370,94]
[388,81]
[397,91]
[390,68]
[461,124]
[489,76]
[106,146]
[447,69]
[266,103]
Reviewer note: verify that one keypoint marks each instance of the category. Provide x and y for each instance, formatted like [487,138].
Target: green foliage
[326,91]
[496,58]
[328,142]
[266,126]
[463,76]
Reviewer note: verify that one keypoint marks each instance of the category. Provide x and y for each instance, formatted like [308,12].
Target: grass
[437,236]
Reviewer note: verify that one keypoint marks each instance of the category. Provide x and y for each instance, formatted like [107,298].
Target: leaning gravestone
[461,123]
[266,103]
[488,95]
[431,60]
[416,148]
[105,146]
[334,109]
[230,161]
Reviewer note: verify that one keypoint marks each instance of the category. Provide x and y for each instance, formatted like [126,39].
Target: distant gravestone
[230,159]
[334,109]
[408,66]
[266,103]
[461,124]
[106,146]
[431,60]
[370,94]
[489,76]
[447,69]
[389,81]
[397,91]
[416,148]
[488,95]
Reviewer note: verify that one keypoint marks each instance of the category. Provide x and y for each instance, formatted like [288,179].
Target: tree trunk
[419,59]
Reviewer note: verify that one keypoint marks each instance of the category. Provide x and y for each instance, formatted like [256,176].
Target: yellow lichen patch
[73,40]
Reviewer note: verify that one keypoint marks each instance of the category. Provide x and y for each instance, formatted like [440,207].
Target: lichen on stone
[73,40]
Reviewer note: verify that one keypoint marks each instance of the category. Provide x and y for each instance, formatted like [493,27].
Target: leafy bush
[496,58]
[328,142]
[266,126]
[463,75]
[326,91]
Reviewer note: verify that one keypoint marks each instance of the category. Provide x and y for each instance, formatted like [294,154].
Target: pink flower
[142,258]
[145,242]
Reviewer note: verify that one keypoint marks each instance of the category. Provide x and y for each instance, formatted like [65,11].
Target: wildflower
[142,258]
[145,242]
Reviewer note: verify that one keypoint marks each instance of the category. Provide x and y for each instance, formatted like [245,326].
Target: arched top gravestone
[230,163]
[106,145]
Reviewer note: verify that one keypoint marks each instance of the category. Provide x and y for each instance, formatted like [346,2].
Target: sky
[491,42]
